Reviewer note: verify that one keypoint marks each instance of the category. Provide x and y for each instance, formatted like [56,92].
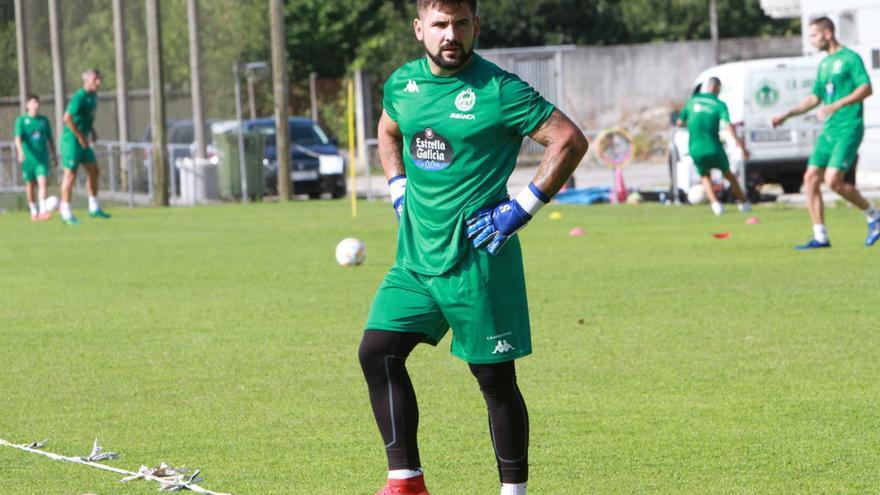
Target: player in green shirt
[841,86]
[449,136]
[33,143]
[79,120]
[703,114]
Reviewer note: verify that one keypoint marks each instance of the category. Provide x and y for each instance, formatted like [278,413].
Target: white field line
[171,484]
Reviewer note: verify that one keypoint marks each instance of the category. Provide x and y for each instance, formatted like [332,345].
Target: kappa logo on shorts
[503,346]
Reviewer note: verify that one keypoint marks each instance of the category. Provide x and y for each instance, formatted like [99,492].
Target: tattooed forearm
[566,146]
[390,147]
[391,156]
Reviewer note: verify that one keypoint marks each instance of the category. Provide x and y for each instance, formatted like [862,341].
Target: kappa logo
[411,87]
[503,346]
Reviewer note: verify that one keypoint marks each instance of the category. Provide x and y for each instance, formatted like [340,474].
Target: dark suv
[316,166]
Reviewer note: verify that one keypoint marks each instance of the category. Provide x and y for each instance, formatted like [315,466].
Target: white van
[755,91]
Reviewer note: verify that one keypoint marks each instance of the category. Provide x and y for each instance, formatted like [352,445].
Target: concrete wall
[601,86]
[605,84]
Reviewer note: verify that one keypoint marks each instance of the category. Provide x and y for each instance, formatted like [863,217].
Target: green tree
[8,69]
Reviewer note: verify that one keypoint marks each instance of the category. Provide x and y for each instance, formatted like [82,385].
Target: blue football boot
[813,244]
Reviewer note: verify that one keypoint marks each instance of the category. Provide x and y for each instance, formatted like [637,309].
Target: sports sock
[872,213]
[383,360]
[93,204]
[33,207]
[508,419]
[819,233]
[513,489]
[745,207]
[403,474]
[717,208]
[43,208]
[64,209]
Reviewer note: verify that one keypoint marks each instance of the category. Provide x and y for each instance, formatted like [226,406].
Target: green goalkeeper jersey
[840,74]
[461,137]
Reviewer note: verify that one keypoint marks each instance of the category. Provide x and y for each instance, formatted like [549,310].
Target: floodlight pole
[713,27]
[121,91]
[241,167]
[21,46]
[313,94]
[195,64]
[157,104]
[281,89]
[57,65]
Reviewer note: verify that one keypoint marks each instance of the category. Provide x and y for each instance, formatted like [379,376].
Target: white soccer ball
[51,203]
[350,252]
[696,195]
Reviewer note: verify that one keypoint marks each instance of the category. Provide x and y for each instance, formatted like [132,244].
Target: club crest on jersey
[465,100]
[836,68]
[430,151]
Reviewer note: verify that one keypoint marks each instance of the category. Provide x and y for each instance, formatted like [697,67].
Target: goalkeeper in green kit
[449,137]
[841,86]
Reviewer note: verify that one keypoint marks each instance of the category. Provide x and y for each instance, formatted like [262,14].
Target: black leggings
[383,359]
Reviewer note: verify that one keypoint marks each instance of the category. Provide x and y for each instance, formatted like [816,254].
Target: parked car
[316,166]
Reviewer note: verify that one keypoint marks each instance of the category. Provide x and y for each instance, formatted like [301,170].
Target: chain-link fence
[230,32]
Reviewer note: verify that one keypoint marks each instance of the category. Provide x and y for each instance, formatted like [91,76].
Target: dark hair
[424,4]
[33,96]
[713,82]
[824,23]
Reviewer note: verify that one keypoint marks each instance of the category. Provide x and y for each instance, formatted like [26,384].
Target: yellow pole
[351,156]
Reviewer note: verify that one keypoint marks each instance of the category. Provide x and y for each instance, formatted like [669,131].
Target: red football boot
[409,486]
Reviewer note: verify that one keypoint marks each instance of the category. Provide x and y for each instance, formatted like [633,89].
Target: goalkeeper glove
[397,187]
[492,227]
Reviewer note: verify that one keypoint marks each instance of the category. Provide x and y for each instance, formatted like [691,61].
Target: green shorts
[706,162]
[483,299]
[836,151]
[73,154]
[31,169]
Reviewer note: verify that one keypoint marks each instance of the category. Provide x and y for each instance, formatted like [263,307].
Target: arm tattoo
[565,146]
[391,156]
[390,147]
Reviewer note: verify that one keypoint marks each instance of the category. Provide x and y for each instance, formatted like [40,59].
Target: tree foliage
[332,37]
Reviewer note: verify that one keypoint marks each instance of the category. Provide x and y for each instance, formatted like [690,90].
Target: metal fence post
[127,154]
[111,164]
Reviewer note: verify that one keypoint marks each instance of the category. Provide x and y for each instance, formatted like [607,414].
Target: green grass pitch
[224,338]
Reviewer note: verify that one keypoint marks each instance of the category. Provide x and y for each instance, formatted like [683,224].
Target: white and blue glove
[492,227]
[397,187]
